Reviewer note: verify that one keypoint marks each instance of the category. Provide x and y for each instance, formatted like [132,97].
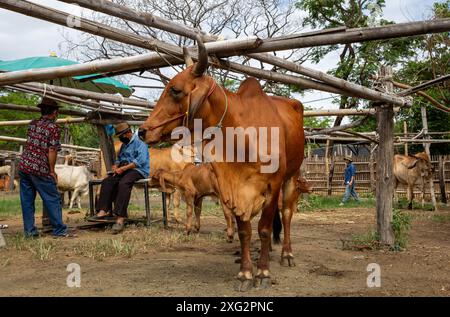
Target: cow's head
[180,100]
[421,162]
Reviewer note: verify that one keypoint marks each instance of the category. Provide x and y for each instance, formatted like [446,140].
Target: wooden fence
[316,172]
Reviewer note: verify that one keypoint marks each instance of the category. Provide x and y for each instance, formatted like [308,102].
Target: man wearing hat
[37,171]
[132,164]
[349,181]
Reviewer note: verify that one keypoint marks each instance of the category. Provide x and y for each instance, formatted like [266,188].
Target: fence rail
[315,171]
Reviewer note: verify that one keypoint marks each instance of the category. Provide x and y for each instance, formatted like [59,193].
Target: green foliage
[401,224]
[84,134]
[323,203]
[12,115]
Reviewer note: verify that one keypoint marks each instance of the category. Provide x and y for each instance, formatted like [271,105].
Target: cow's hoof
[410,206]
[243,285]
[263,282]
[230,239]
[287,260]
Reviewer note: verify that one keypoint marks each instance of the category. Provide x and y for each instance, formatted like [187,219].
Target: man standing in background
[349,181]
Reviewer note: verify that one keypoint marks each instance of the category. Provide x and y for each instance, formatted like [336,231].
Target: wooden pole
[27,122]
[372,168]
[69,146]
[423,112]
[106,146]
[7,106]
[442,179]
[385,160]
[13,172]
[88,94]
[405,131]
[327,166]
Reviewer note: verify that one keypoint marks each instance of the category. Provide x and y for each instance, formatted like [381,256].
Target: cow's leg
[189,211]
[410,195]
[198,211]
[168,196]
[290,197]
[75,195]
[265,231]
[245,275]
[230,223]
[176,205]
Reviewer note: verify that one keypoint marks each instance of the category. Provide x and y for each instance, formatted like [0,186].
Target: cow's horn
[202,63]
[187,57]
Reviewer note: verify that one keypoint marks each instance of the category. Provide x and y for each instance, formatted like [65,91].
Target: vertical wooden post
[385,160]
[372,168]
[13,172]
[107,147]
[405,133]
[327,167]
[442,179]
[423,111]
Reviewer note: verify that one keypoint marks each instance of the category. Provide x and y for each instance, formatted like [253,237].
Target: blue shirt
[135,152]
[350,171]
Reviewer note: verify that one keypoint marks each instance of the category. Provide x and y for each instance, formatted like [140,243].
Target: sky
[22,36]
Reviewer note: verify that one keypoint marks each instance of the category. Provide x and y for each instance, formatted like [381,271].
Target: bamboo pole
[126,13]
[68,146]
[423,112]
[27,122]
[355,89]
[6,106]
[405,131]
[88,94]
[25,7]
[299,40]
[433,101]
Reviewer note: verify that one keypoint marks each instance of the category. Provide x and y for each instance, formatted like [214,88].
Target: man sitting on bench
[132,164]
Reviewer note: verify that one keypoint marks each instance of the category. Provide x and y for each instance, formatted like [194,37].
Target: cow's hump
[250,88]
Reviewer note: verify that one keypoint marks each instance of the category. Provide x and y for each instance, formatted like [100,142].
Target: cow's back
[72,177]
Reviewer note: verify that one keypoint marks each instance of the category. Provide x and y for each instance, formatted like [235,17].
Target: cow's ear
[410,164]
[196,99]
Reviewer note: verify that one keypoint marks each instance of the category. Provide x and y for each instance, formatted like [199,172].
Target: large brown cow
[412,170]
[243,187]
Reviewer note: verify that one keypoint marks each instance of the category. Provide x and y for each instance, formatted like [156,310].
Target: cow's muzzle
[142,132]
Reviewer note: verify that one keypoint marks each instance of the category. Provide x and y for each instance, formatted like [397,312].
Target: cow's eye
[177,93]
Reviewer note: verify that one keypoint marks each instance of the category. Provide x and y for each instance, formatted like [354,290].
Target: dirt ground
[159,262]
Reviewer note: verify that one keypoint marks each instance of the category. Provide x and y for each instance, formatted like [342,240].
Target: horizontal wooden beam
[7,106]
[67,146]
[27,122]
[85,94]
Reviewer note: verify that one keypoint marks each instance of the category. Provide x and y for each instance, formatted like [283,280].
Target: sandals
[117,228]
[106,218]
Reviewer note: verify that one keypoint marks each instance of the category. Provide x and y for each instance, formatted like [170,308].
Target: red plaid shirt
[43,134]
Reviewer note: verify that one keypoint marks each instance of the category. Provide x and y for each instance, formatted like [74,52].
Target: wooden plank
[423,112]
[106,146]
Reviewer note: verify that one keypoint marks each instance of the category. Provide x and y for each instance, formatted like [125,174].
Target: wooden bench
[143,182]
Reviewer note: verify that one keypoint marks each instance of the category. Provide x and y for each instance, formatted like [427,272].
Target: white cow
[5,170]
[73,178]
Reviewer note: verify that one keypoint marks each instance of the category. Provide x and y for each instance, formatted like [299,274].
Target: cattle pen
[322,167]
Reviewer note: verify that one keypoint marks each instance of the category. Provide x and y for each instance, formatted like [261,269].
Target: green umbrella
[105,85]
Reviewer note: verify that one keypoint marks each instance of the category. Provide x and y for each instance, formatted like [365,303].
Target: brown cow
[195,182]
[412,170]
[243,187]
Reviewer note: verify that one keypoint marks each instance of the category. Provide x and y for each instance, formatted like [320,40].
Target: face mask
[124,139]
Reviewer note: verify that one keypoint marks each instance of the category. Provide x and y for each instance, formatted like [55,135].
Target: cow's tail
[276,227]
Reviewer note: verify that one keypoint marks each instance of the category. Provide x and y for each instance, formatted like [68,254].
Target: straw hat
[121,128]
[348,158]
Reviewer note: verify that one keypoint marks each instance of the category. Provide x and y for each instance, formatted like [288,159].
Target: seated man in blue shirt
[132,164]
[349,180]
